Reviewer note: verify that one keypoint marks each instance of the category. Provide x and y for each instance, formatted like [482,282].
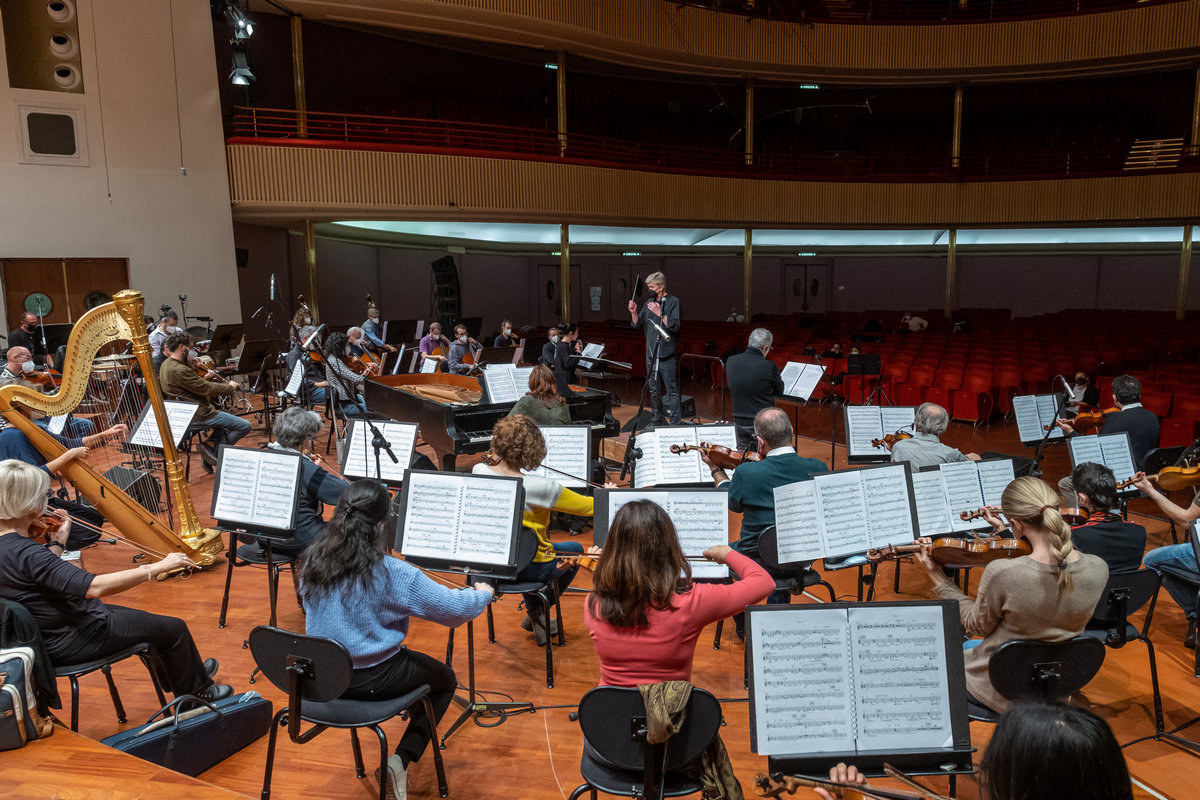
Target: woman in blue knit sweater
[356,593]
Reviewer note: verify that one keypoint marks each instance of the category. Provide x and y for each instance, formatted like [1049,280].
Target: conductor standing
[658,316]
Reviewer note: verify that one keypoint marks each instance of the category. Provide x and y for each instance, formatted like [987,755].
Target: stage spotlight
[240,75]
[243,28]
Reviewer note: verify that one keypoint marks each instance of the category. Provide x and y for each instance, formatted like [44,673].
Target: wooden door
[806,288]
[73,285]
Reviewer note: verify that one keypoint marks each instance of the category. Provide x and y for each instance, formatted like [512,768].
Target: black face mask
[1081,381]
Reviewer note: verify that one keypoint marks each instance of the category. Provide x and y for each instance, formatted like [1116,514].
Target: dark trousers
[745,437]
[398,676]
[548,572]
[169,637]
[79,535]
[665,404]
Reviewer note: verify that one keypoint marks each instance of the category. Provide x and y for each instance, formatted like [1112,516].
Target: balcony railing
[414,135]
[934,12]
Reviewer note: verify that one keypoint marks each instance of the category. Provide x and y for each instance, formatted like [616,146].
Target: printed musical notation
[1034,412]
[701,520]
[256,488]
[658,466]
[799,380]
[1110,449]
[506,383]
[460,518]
[865,424]
[568,450]
[359,455]
[145,431]
[853,679]
[943,493]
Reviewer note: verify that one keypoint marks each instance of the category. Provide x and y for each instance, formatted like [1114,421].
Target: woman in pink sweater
[644,612]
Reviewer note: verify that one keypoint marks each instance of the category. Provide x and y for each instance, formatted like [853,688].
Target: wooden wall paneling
[106,276]
[23,276]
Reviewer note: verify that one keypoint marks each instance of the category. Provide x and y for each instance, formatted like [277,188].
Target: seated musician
[372,332]
[356,593]
[549,347]
[457,361]
[1048,595]
[1104,534]
[181,382]
[346,383]
[517,445]
[158,337]
[27,337]
[1175,562]
[925,448]
[1140,423]
[434,340]
[85,524]
[19,369]
[294,430]
[64,599]
[644,613]
[542,403]
[300,320]
[314,374]
[505,337]
[752,490]
[565,351]
[356,342]
[1083,394]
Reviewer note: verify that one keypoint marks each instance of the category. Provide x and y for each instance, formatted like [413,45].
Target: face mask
[554,338]
[27,367]
[1081,381]
[507,331]
[462,339]
[373,319]
[308,320]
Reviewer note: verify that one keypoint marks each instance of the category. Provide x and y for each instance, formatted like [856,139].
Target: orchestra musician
[300,320]
[518,445]
[27,337]
[752,491]
[1082,393]
[566,349]
[372,331]
[1048,595]
[459,348]
[158,336]
[181,382]
[18,368]
[925,448]
[549,347]
[294,430]
[347,384]
[357,342]
[314,375]
[1105,534]
[65,599]
[542,403]
[432,341]
[357,594]
[505,337]
[644,613]
[1140,423]
[663,312]
[754,383]
[1175,562]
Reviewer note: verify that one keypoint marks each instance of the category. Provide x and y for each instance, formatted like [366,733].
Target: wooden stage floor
[537,755]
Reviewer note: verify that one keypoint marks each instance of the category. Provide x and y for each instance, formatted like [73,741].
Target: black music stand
[398,331]
[869,366]
[261,357]
[225,339]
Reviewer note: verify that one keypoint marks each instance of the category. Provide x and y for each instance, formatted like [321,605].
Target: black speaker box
[141,486]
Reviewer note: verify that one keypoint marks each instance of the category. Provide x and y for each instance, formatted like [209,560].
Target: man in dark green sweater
[752,488]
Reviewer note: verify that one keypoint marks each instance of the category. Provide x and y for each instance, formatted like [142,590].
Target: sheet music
[568,449]
[842,507]
[866,423]
[701,520]
[429,366]
[897,418]
[256,488]
[1085,449]
[796,522]
[1033,412]
[179,416]
[859,679]
[994,477]
[501,388]
[802,689]
[593,349]
[963,492]
[901,690]
[57,424]
[933,509]
[1117,455]
[296,380]
[799,380]
[659,466]
[460,517]
[889,510]
[360,455]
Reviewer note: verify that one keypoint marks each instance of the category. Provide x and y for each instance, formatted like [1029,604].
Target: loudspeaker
[242,256]
[141,486]
[447,300]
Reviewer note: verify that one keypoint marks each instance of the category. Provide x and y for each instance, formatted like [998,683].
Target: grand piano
[453,426]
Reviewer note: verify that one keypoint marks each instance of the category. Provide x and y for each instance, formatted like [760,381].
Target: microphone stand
[1036,469]
[631,452]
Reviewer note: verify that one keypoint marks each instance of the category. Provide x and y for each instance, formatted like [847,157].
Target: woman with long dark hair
[356,593]
[644,613]
[542,403]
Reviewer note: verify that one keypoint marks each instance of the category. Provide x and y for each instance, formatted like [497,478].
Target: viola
[959,552]
[589,561]
[47,379]
[891,439]
[1169,479]
[718,455]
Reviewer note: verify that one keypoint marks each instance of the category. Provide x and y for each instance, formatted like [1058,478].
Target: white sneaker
[397,777]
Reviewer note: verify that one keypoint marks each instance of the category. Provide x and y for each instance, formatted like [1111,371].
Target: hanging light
[240,75]
[243,28]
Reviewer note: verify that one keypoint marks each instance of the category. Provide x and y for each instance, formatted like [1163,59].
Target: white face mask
[308,320]
[27,367]
[374,320]
[463,339]
[507,331]
[554,338]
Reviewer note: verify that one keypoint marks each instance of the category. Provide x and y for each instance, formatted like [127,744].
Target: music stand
[396,331]
[869,366]
[261,357]
[226,338]
[357,460]
[56,336]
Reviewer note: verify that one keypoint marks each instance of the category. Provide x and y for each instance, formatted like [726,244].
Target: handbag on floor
[19,718]
[193,734]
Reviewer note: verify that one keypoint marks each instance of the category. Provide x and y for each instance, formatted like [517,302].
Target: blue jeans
[1177,564]
[548,572]
[226,428]
[76,427]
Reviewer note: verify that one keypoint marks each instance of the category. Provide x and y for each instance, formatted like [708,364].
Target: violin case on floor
[190,735]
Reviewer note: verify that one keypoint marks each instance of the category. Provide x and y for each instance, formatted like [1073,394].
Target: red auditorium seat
[977,381]
[936,394]
[1176,432]
[974,407]
[948,379]
[1158,402]
[1004,396]
[909,394]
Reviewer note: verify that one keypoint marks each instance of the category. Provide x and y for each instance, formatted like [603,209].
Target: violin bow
[778,784]
[896,774]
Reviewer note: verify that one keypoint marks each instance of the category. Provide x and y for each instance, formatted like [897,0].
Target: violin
[959,552]
[718,455]
[1169,479]
[1072,516]
[588,561]
[891,439]
[45,525]
[46,379]
[202,370]
[1086,420]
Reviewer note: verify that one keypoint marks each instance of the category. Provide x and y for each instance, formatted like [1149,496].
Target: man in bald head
[925,448]
[17,369]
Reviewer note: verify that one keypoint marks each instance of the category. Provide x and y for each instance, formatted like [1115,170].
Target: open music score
[567,450]
[700,516]
[1111,450]
[1034,412]
[845,512]
[658,466]
[358,456]
[865,424]
[257,490]
[592,350]
[296,379]
[799,380]
[505,383]
[459,523]
[943,491]
[849,679]
[145,431]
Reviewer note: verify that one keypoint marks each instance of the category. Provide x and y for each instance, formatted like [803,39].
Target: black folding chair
[1030,670]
